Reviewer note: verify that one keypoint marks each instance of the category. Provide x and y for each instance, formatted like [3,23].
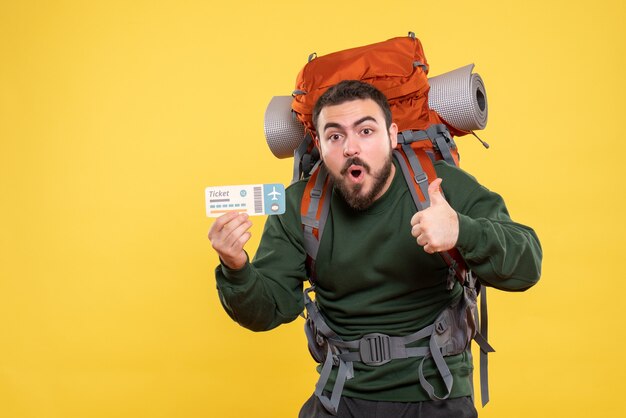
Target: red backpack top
[397,67]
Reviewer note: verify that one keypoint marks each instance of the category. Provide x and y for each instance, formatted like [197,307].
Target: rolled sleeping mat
[283,131]
[458,96]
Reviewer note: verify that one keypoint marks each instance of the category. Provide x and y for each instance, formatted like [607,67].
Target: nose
[351,146]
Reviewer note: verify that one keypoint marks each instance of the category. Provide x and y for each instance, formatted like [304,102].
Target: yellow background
[114,116]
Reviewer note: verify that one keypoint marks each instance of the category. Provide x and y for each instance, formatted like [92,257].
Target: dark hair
[349,90]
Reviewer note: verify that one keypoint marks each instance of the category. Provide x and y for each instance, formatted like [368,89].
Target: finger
[226,219]
[417,230]
[434,192]
[240,235]
[222,239]
[230,247]
[422,240]
[243,239]
[220,222]
[416,218]
[233,230]
[429,249]
[234,246]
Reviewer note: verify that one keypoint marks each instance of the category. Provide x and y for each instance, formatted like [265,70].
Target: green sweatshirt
[373,277]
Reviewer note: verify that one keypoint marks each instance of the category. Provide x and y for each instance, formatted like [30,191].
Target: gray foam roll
[283,131]
[460,98]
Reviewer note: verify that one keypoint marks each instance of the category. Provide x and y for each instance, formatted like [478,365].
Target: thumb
[434,192]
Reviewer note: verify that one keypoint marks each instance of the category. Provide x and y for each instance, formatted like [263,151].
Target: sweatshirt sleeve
[267,292]
[502,253]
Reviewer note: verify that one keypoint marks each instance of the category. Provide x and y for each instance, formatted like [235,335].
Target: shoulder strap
[417,163]
[314,212]
[416,155]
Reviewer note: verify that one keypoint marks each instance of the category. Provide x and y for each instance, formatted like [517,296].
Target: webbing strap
[408,136]
[314,313]
[344,372]
[376,349]
[485,348]
[298,158]
[324,211]
[310,221]
[410,181]
[442,368]
[419,175]
[440,136]
[398,351]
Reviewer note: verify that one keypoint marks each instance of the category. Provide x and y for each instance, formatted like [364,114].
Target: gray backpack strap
[481,336]
[452,334]
[315,315]
[376,349]
[324,334]
[485,348]
[344,373]
[441,137]
[304,158]
[310,221]
[420,176]
[442,368]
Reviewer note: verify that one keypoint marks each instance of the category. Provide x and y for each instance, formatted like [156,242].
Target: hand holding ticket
[253,199]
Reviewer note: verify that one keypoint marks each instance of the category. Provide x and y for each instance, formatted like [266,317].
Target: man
[377,267]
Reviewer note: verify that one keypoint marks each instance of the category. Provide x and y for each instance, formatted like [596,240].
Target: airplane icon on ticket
[274,193]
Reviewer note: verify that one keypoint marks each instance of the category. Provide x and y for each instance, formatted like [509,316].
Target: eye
[367,131]
[334,137]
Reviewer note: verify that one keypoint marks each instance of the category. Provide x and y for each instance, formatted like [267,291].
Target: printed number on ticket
[253,199]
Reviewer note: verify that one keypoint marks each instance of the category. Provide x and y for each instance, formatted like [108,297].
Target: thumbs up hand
[436,228]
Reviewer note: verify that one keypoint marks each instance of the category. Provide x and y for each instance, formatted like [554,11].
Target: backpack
[398,68]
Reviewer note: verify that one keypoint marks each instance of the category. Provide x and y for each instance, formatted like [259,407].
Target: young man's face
[356,148]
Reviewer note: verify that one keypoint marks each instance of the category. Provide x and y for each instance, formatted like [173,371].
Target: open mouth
[356,173]
[355,170]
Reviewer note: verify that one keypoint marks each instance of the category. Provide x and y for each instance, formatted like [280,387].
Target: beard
[352,193]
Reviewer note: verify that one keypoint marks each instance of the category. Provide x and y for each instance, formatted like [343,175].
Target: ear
[393,135]
[317,143]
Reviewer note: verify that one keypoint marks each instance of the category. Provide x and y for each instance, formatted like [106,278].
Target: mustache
[355,161]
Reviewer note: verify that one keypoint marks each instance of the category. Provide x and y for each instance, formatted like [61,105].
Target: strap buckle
[375,349]
[316,193]
[420,178]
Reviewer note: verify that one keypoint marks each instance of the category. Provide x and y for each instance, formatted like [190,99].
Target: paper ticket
[253,199]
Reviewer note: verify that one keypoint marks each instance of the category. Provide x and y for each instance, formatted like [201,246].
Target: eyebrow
[355,124]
